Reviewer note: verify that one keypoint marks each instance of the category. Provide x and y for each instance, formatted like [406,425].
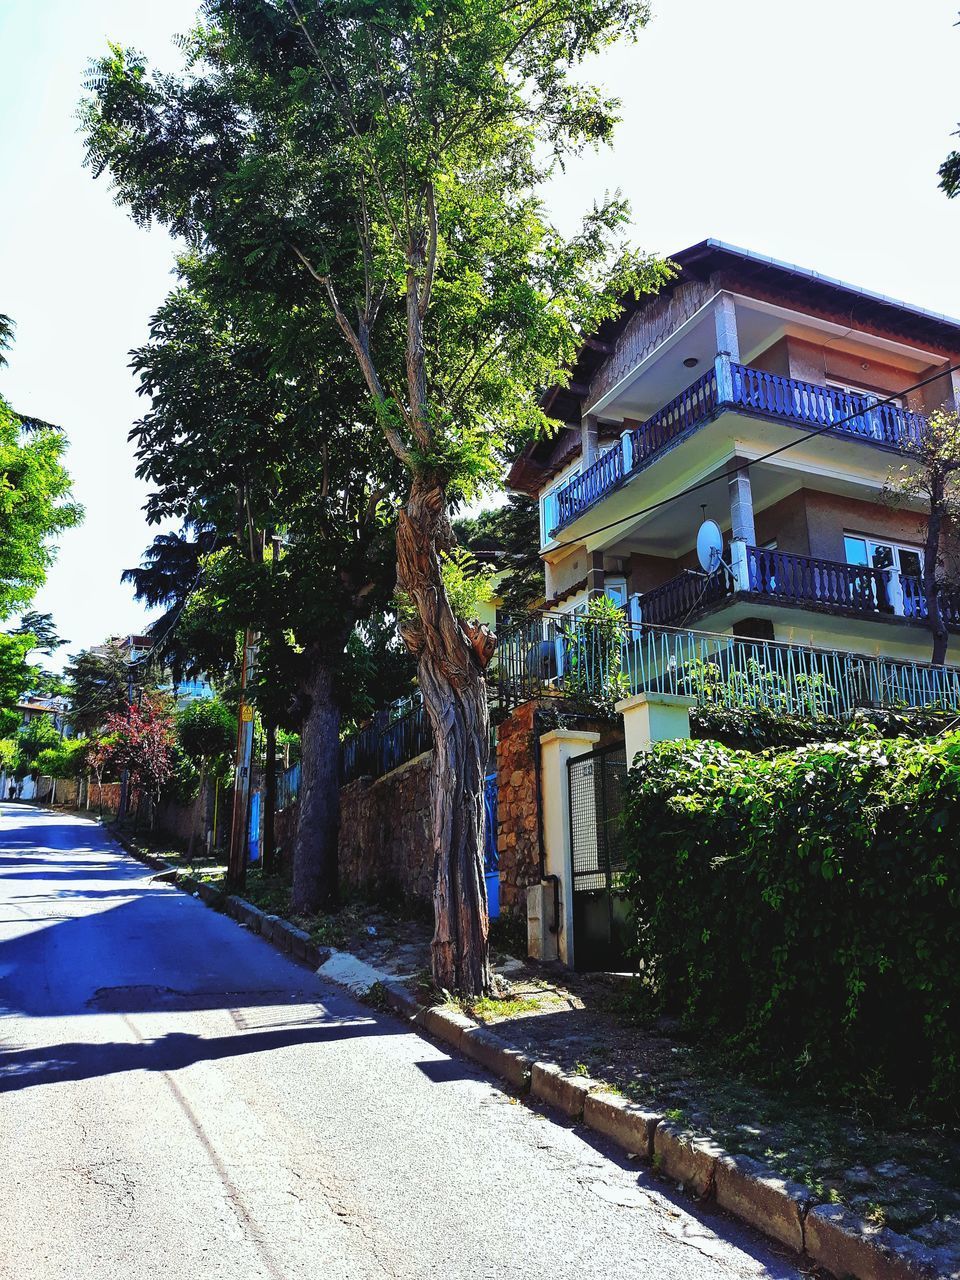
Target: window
[883,555]
[615,589]
[852,389]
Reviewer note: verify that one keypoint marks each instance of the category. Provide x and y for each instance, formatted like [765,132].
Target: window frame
[872,543]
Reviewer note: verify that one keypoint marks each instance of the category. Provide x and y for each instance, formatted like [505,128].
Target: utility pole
[239,828]
[125,776]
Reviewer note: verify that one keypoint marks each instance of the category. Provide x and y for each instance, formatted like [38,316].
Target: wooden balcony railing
[915,603]
[690,408]
[829,407]
[807,580]
[674,602]
[729,385]
[780,576]
[584,489]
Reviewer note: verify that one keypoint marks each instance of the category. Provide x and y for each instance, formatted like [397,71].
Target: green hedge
[804,906]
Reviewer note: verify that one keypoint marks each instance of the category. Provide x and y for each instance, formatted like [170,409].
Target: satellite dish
[709,546]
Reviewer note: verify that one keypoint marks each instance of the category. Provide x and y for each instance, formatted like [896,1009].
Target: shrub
[761,728]
[804,906]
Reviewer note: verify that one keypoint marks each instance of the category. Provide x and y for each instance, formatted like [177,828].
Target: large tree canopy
[258,445]
[34,506]
[384,158]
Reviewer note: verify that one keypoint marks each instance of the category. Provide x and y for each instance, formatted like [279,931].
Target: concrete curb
[743,1188]
[828,1235]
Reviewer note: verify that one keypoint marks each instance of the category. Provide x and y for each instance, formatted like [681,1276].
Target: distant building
[33,707]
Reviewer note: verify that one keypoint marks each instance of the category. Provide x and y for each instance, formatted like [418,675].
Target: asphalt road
[177,1100]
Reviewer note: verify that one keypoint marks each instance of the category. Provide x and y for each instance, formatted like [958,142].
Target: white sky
[809,132]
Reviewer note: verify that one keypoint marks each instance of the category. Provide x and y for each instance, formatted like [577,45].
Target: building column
[654,717]
[725,319]
[588,440]
[743,532]
[556,748]
[741,505]
[595,574]
[955,388]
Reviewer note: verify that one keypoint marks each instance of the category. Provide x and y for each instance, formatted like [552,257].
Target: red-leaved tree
[140,740]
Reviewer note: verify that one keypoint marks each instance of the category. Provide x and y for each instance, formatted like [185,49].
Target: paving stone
[622,1120]
[773,1205]
[685,1159]
[552,1085]
[492,1053]
[252,917]
[446,1024]
[299,940]
[400,999]
[837,1239]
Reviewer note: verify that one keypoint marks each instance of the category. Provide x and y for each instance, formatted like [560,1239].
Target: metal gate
[600,916]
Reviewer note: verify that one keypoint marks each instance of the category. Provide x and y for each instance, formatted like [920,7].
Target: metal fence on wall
[390,741]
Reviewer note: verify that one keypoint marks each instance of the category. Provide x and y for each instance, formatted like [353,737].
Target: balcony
[589,661]
[737,387]
[778,576]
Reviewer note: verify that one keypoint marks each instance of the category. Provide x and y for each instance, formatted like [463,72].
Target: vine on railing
[561,655]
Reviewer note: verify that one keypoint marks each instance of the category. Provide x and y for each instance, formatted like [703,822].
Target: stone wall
[106,797]
[385,832]
[518,808]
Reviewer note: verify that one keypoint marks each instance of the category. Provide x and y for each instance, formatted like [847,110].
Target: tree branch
[361,351]
[426,288]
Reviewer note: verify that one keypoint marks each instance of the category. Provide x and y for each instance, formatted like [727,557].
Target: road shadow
[27,1068]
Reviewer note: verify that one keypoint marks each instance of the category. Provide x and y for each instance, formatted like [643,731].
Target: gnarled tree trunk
[318,824]
[452,657]
[931,587]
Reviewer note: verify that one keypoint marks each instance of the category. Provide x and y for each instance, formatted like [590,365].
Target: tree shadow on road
[25,1068]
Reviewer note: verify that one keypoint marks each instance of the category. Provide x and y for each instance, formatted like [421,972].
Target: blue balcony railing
[688,410]
[915,602]
[811,405]
[584,490]
[729,385]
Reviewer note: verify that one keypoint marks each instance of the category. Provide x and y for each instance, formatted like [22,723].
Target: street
[179,1100]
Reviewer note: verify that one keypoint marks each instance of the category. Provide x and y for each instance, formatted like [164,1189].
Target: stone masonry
[385,832]
[518,817]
